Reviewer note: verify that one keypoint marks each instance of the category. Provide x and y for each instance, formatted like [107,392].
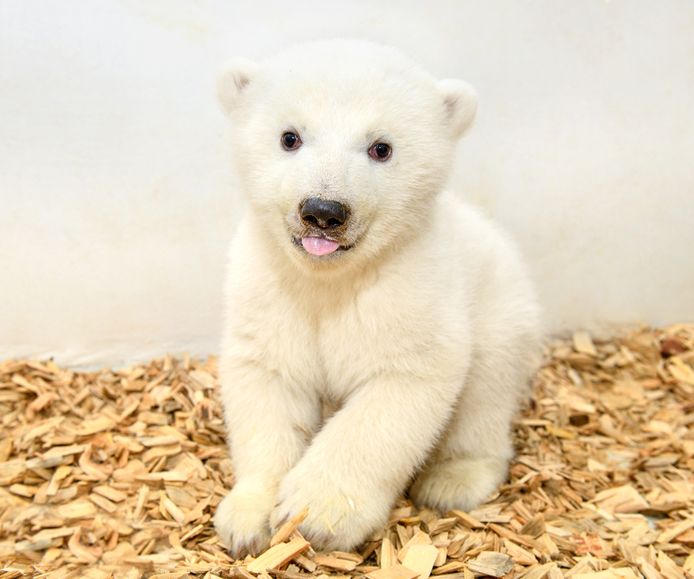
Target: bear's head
[341,147]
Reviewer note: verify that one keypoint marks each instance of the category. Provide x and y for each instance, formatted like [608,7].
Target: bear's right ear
[233,82]
[460,100]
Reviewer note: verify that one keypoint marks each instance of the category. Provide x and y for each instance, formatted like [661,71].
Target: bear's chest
[331,343]
[350,351]
[373,334]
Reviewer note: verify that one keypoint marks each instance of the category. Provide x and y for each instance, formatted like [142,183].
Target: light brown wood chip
[583,343]
[608,574]
[285,531]
[395,572]
[491,563]
[278,555]
[334,562]
[624,499]
[421,558]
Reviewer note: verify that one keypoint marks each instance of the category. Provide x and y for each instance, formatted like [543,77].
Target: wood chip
[334,562]
[421,558]
[624,499]
[676,530]
[468,520]
[609,574]
[79,509]
[491,563]
[90,468]
[110,493]
[177,514]
[389,556]
[278,555]
[286,530]
[306,563]
[103,502]
[164,440]
[98,424]
[80,551]
[419,538]
[395,572]
[583,343]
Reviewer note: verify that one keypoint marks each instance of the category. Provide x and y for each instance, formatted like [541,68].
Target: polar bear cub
[355,280]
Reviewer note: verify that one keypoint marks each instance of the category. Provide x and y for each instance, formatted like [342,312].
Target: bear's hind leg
[471,461]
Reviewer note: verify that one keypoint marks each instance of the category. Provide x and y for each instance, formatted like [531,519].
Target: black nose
[322,213]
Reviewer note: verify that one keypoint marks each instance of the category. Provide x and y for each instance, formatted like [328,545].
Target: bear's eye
[290,141]
[380,151]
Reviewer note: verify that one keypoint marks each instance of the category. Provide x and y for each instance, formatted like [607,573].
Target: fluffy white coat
[422,332]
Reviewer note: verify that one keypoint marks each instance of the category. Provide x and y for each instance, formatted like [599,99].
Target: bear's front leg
[362,459]
[269,424]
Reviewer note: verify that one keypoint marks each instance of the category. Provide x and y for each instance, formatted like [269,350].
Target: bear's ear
[233,82]
[460,100]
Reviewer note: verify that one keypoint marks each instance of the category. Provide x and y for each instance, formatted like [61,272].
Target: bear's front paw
[341,514]
[461,483]
[242,519]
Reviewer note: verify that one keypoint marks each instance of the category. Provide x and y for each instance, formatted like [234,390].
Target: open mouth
[319,246]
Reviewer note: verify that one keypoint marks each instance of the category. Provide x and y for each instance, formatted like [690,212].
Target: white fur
[424,333]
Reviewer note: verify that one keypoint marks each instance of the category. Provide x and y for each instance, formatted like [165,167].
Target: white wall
[117,202]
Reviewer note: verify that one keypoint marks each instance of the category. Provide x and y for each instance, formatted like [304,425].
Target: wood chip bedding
[117,473]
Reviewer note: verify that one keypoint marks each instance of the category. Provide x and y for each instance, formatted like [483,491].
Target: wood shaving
[117,473]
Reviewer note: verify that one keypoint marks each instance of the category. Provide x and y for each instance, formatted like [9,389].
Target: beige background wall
[117,202]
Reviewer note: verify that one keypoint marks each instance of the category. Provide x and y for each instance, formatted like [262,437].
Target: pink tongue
[318,245]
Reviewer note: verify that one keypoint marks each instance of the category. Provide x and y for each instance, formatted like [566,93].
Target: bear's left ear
[460,100]
[233,82]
